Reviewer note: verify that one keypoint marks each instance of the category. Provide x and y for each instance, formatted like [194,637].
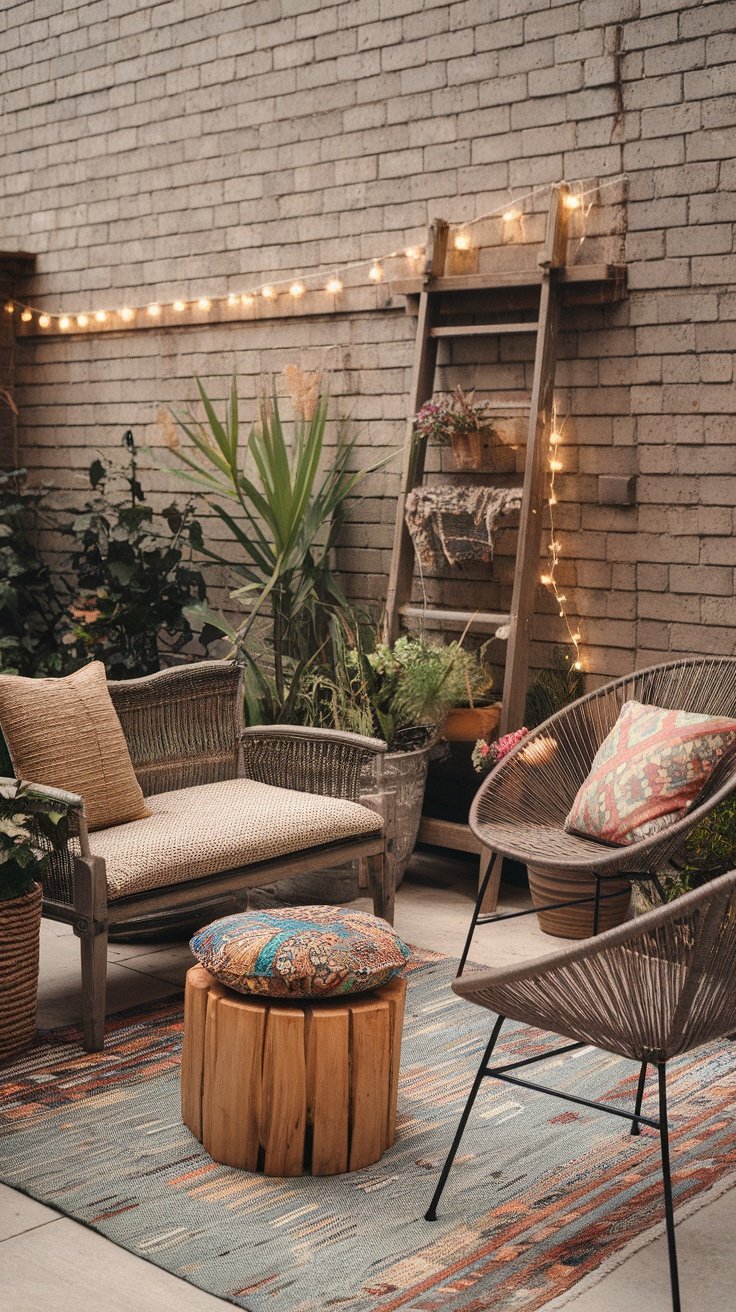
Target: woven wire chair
[520,809]
[648,990]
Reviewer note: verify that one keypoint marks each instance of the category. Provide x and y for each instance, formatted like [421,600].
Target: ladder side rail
[401,573]
[540,419]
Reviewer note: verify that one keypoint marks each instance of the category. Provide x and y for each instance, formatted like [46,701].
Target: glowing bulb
[82,320]
[9,308]
[510,216]
[267,293]
[126,314]
[231,300]
[555,439]
[577,665]
[571,202]
[26,316]
[375,273]
[555,465]
[552,500]
[100,316]
[297,289]
[561,597]
[577,637]
[334,286]
[462,241]
[44,321]
[411,253]
[546,579]
[203,303]
[180,306]
[247,299]
[64,323]
[154,310]
[555,546]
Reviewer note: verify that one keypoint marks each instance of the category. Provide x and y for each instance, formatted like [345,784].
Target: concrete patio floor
[48,1261]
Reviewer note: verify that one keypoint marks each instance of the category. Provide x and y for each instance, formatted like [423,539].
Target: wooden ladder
[436,293]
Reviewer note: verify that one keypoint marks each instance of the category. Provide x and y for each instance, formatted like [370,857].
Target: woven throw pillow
[647,772]
[66,733]
[300,952]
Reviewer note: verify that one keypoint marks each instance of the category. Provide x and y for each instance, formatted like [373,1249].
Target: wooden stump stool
[291,1087]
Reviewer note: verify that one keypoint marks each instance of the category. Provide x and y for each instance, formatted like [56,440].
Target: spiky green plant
[283,505]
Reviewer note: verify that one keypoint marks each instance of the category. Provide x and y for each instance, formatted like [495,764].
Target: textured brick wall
[158,150]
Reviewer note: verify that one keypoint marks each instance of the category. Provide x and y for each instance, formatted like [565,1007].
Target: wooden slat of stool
[284,1087]
[192,1052]
[370,1084]
[328,1088]
[231,1109]
[395,994]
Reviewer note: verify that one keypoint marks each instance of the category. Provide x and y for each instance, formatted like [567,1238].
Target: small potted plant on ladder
[456,419]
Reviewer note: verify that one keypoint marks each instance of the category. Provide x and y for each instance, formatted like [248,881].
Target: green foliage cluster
[552,689]
[29,828]
[29,607]
[133,574]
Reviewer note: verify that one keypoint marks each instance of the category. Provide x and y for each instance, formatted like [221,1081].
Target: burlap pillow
[65,732]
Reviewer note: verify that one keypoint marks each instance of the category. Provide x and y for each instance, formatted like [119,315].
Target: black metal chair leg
[597,905]
[635,1126]
[474,919]
[667,1180]
[431,1214]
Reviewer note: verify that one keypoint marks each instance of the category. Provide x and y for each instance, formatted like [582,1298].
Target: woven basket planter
[20,923]
[467,449]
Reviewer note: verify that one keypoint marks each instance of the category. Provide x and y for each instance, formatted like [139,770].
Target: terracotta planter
[465,724]
[548,886]
[467,449]
[20,923]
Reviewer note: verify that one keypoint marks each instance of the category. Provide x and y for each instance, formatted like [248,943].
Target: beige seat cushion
[193,832]
[65,732]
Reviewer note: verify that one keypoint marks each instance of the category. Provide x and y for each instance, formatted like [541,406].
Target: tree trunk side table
[291,1087]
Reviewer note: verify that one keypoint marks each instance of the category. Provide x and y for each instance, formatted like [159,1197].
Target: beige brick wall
[155,150]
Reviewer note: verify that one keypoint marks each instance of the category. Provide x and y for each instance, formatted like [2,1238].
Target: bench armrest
[325,761]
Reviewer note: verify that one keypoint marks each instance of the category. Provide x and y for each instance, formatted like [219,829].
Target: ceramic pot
[20,926]
[548,886]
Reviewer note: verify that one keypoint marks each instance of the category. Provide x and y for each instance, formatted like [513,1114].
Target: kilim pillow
[66,733]
[300,952]
[647,771]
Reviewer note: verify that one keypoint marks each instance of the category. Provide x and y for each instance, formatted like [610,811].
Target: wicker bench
[232,808]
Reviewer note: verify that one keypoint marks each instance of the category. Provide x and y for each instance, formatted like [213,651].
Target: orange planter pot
[465,724]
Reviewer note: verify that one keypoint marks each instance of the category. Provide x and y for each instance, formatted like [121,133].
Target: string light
[64,323]
[26,316]
[373,270]
[82,320]
[548,578]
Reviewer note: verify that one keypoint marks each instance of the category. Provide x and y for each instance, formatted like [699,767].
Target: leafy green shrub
[29,827]
[133,574]
[29,604]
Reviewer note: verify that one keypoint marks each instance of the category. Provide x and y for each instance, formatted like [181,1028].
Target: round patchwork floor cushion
[300,952]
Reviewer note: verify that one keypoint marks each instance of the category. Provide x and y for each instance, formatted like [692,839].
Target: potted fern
[27,825]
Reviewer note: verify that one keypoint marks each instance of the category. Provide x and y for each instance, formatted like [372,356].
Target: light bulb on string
[461,241]
[247,299]
[100,316]
[9,307]
[267,292]
[154,310]
[375,273]
[179,307]
[412,252]
[64,323]
[43,321]
[333,287]
[26,316]
[82,320]
[555,465]
[297,289]
[232,299]
[204,303]
[126,314]
[571,201]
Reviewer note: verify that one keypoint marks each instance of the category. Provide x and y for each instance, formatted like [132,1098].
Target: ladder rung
[455,619]
[483,329]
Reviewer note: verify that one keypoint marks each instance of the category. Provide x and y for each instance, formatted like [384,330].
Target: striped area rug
[541,1195]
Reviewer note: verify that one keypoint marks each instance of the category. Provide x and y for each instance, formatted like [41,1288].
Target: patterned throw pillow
[300,952]
[647,772]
